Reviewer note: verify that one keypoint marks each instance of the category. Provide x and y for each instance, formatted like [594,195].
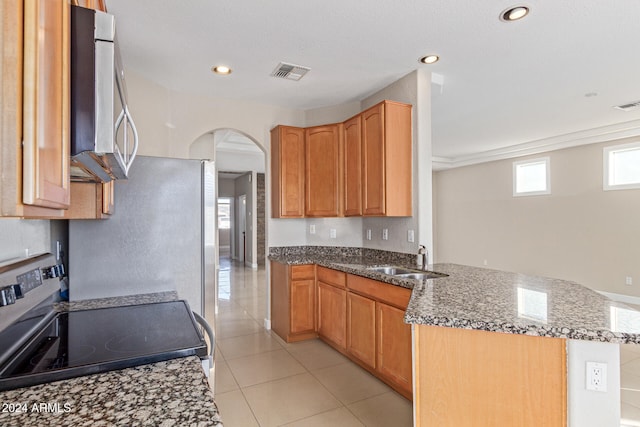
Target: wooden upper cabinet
[386,160]
[34,43]
[90,4]
[323,171]
[352,161]
[91,200]
[287,172]
[46,180]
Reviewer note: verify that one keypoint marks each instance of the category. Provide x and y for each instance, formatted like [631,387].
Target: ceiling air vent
[628,107]
[290,71]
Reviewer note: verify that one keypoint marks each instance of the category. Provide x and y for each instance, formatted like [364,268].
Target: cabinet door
[303,303]
[46,104]
[108,197]
[322,171]
[361,329]
[287,168]
[393,342]
[91,200]
[373,161]
[353,167]
[332,310]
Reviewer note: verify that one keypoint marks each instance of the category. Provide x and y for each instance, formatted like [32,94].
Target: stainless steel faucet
[422,250]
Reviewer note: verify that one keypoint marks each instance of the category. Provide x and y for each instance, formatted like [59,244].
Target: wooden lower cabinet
[303,301]
[332,313]
[361,329]
[293,301]
[393,348]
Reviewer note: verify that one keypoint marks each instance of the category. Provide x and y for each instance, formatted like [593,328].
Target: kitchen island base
[477,378]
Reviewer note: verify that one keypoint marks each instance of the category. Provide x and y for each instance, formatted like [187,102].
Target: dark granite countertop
[169,393]
[489,300]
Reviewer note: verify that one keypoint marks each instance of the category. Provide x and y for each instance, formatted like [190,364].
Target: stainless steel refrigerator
[160,238]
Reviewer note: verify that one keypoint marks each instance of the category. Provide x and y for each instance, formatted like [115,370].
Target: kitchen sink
[393,271]
[407,273]
[422,275]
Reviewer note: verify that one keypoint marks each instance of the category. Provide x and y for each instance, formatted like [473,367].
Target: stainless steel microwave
[104,140]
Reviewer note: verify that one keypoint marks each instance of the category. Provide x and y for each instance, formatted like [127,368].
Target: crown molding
[574,139]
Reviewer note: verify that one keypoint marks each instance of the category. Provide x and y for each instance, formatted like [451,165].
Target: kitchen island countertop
[169,393]
[489,300]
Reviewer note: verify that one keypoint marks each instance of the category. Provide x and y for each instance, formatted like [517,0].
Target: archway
[241,194]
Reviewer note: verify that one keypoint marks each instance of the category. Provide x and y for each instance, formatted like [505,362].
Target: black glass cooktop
[90,341]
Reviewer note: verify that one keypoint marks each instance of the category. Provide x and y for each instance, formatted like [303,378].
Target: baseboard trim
[621,298]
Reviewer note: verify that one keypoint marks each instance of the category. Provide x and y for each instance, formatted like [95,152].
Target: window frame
[606,154]
[547,161]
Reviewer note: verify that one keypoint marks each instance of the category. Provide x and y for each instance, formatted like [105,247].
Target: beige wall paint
[192,116]
[579,232]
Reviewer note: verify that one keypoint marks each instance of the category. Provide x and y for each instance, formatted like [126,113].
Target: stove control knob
[7,296]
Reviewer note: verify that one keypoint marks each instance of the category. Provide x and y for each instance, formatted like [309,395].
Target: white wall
[579,232]
[588,408]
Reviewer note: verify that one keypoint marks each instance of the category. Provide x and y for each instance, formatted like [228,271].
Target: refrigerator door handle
[212,339]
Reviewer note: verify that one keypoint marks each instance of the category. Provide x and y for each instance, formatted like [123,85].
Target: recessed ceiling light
[221,69]
[429,59]
[514,13]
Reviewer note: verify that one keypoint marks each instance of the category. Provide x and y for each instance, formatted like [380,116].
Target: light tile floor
[262,381]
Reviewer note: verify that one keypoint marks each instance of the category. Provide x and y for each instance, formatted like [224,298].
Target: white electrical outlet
[485,262]
[629,280]
[385,234]
[410,236]
[332,233]
[596,376]
[368,234]
[312,229]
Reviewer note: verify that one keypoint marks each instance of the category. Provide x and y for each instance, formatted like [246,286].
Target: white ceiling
[506,85]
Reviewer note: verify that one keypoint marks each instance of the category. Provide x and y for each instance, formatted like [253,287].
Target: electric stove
[83,342]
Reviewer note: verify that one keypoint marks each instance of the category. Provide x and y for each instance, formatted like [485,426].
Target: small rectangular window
[621,167]
[531,177]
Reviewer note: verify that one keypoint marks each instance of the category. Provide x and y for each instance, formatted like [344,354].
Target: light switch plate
[368,234]
[411,236]
[332,233]
[312,229]
[385,234]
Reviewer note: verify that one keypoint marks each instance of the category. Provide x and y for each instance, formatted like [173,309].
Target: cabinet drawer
[331,277]
[390,294]
[302,272]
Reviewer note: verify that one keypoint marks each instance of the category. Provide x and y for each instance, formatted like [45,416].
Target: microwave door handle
[135,138]
[129,120]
